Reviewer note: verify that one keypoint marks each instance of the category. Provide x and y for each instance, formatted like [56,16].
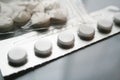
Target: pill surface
[43,48]
[66,40]
[104,25]
[22,17]
[58,16]
[17,57]
[6,24]
[86,32]
[50,4]
[40,20]
[117,19]
[39,8]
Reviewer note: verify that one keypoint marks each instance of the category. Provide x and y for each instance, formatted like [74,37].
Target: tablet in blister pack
[54,18]
[35,48]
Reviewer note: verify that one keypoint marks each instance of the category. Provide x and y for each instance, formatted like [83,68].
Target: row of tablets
[43,48]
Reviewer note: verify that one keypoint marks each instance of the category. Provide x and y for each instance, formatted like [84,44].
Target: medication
[39,8]
[86,32]
[66,40]
[104,26]
[38,47]
[40,20]
[43,48]
[58,16]
[117,19]
[6,24]
[50,4]
[22,17]
[17,57]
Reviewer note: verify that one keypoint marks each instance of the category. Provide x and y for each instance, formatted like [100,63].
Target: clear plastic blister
[77,17]
[21,12]
[21,36]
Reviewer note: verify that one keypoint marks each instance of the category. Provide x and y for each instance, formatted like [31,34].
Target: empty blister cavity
[17,57]
[66,40]
[104,25]
[86,32]
[43,48]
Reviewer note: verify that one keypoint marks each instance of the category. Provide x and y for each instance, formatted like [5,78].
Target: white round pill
[22,17]
[104,25]
[6,24]
[66,40]
[40,20]
[17,57]
[86,33]
[58,16]
[117,19]
[43,48]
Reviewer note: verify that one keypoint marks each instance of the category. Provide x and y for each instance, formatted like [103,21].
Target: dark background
[100,61]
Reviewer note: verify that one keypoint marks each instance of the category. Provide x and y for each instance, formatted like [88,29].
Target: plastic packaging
[27,41]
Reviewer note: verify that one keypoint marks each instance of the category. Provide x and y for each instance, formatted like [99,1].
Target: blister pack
[38,47]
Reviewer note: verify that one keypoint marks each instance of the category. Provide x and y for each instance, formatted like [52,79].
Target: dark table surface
[100,61]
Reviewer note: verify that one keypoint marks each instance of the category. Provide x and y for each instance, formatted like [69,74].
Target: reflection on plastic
[1,78]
